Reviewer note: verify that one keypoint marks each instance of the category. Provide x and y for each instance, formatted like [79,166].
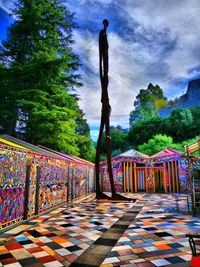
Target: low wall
[31,183]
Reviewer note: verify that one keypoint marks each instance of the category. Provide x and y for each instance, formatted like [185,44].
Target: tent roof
[167,152]
[133,153]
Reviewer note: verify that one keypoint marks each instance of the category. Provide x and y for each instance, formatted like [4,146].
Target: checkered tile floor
[59,240]
[155,238]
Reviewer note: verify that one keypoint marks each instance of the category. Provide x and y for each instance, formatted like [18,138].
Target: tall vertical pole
[131,176]
[67,182]
[135,177]
[124,170]
[26,196]
[169,177]
[173,181]
[190,180]
[37,190]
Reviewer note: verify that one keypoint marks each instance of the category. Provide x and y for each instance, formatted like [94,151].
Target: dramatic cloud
[150,41]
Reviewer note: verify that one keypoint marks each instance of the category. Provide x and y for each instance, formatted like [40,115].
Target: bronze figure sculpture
[106,109]
[105,116]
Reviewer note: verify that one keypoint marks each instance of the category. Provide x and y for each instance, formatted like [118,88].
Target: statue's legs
[97,159]
[109,160]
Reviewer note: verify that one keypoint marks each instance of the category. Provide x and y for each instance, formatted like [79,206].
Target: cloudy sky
[153,41]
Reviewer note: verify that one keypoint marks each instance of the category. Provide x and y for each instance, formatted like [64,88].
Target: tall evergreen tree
[39,72]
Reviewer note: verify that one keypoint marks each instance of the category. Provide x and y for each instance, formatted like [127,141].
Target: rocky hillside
[190,99]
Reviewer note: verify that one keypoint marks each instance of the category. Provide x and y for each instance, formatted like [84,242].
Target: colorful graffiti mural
[165,171]
[12,186]
[183,174]
[50,182]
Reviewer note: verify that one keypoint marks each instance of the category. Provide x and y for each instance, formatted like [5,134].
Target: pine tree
[39,69]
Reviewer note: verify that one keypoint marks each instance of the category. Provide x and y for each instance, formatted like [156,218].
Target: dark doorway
[159,180]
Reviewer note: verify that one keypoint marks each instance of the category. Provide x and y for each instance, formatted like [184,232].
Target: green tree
[119,142]
[180,121]
[181,125]
[142,130]
[84,141]
[149,100]
[7,108]
[39,69]
[195,127]
[157,143]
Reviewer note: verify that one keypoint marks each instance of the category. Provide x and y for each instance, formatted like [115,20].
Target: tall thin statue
[105,112]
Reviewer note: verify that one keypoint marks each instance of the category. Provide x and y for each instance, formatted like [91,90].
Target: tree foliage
[143,130]
[38,71]
[182,124]
[157,143]
[119,142]
[180,121]
[151,135]
[160,142]
[149,100]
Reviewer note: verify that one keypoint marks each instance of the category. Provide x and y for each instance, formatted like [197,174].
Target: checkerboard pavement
[59,240]
[156,237]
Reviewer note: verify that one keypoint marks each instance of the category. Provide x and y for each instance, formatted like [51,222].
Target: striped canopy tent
[168,152]
[165,166]
[134,170]
[130,171]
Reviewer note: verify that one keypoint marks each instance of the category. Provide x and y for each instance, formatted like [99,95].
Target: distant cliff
[190,99]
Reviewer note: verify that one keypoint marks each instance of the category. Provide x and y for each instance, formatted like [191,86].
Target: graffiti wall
[118,174]
[91,182]
[183,176]
[12,186]
[53,178]
[50,183]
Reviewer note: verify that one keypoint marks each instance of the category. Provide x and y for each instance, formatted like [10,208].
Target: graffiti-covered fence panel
[12,186]
[53,177]
[50,182]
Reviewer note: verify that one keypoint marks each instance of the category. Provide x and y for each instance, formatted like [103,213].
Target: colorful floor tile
[156,237]
[62,235]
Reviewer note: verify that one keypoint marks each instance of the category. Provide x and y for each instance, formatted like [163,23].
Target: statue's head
[105,22]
